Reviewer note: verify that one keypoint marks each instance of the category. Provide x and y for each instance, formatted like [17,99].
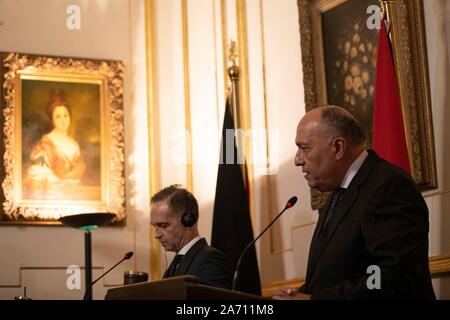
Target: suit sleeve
[394,227]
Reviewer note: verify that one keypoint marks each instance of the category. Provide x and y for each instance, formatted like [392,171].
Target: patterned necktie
[173,266]
[337,196]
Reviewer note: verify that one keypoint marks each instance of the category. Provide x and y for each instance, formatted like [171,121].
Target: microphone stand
[88,293]
[236,271]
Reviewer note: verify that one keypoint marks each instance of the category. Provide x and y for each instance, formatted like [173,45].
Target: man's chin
[166,247]
[311,184]
[322,189]
[317,187]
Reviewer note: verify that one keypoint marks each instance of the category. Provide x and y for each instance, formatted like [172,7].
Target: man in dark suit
[174,216]
[371,239]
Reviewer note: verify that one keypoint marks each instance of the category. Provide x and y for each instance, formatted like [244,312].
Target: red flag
[389,139]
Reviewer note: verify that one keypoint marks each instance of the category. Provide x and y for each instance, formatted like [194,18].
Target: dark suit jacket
[382,220]
[209,265]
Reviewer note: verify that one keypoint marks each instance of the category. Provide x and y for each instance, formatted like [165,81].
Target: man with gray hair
[371,238]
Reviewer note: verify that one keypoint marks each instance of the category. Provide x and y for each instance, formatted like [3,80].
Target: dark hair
[344,125]
[55,100]
[179,200]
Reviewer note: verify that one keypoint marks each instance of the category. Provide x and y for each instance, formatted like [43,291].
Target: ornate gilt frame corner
[109,76]
[410,55]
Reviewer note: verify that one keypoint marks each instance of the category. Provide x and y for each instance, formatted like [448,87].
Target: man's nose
[299,161]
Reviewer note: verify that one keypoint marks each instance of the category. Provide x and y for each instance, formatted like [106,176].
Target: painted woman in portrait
[56,161]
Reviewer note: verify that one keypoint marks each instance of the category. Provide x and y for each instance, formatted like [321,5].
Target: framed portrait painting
[339,51]
[62,121]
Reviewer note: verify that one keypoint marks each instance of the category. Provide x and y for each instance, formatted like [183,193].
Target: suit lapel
[314,242]
[321,221]
[189,257]
[340,211]
[320,240]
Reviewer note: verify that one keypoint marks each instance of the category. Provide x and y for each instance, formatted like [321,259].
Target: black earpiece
[188,219]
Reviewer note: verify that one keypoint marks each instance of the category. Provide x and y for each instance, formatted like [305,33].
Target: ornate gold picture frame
[342,23]
[62,138]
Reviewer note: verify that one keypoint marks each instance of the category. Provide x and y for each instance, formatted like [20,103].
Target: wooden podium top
[175,288]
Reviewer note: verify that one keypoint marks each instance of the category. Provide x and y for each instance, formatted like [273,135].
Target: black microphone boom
[292,201]
[127,256]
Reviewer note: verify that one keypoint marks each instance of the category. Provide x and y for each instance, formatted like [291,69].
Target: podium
[176,288]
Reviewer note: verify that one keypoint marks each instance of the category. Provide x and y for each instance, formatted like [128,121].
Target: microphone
[127,256]
[291,202]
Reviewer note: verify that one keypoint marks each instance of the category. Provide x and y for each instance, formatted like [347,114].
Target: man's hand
[291,294]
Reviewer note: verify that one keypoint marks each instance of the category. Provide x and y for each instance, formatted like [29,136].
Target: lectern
[87,222]
[176,288]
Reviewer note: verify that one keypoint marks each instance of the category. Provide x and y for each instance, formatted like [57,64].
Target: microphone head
[128,255]
[292,201]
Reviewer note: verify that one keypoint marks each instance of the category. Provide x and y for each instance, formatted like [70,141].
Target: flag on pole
[232,227]
[389,137]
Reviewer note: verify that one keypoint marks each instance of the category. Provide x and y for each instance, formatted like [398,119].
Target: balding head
[336,121]
[329,139]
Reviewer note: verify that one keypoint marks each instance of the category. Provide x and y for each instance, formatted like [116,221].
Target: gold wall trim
[216,58]
[244,97]
[269,189]
[187,95]
[130,52]
[302,225]
[153,128]
[280,251]
[439,266]
[226,81]
[437,193]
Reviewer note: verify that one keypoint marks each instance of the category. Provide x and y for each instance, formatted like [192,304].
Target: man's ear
[340,145]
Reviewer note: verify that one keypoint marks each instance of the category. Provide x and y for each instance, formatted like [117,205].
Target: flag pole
[384,9]
[387,14]
[233,73]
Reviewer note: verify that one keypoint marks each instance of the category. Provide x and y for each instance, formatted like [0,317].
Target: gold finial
[232,53]
[382,7]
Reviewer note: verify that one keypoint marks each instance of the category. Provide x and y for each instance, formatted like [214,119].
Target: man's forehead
[308,126]
[161,209]
[309,131]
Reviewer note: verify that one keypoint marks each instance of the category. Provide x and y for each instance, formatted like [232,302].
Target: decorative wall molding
[153,128]
[440,265]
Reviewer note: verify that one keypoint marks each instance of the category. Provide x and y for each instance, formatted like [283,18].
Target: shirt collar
[189,245]
[354,167]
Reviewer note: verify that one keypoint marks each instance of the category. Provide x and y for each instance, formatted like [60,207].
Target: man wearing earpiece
[174,216]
